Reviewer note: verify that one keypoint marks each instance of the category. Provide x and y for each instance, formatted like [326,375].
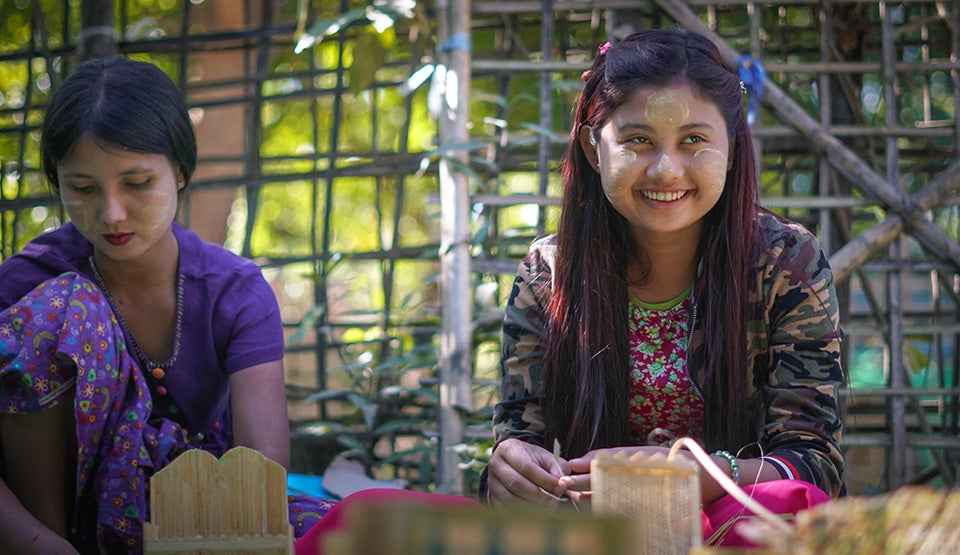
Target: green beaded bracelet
[734,465]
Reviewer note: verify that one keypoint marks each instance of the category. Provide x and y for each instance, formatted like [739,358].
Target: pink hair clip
[604,47]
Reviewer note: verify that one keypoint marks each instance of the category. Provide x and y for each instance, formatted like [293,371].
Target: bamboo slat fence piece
[235,505]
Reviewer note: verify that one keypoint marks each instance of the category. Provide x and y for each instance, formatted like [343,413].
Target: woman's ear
[588,142]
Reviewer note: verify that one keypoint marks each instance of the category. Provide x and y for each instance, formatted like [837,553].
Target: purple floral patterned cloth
[62,341]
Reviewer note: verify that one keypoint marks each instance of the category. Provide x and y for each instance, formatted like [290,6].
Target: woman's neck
[155,267]
[672,270]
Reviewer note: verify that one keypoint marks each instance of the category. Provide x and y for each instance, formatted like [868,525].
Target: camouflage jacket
[793,349]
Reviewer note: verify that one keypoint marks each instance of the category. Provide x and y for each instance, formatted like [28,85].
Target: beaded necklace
[156,369]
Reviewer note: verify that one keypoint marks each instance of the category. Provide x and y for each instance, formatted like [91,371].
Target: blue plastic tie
[752,74]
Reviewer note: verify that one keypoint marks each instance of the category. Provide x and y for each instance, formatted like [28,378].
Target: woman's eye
[81,188]
[139,184]
[638,140]
[694,139]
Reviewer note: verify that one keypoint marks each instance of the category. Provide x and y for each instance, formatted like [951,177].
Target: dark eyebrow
[628,127]
[136,170]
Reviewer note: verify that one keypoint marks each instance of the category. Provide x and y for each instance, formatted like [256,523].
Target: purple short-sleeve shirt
[231,321]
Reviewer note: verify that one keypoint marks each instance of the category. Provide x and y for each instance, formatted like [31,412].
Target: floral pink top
[662,396]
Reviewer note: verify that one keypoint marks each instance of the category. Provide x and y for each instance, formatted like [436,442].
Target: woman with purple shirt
[125,339]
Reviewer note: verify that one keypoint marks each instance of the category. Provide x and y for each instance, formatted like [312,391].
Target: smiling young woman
[668,303]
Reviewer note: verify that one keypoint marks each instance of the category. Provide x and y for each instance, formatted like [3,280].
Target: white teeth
[663,196]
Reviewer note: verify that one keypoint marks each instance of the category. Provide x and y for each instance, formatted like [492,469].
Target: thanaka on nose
[665,168]
[112,209]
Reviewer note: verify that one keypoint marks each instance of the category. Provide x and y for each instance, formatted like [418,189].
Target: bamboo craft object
[200,505]
[660,495]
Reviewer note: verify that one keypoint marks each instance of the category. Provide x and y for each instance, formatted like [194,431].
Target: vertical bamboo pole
[546,108]
[897,424]
[98,32]
[826,119]
[455,293]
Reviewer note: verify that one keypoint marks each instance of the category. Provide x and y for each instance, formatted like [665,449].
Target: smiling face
[123,202]
[663,159]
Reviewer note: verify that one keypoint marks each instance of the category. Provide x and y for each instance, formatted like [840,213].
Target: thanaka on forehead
[665,107]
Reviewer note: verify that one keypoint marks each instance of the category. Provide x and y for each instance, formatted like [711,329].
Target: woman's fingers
[520,471]
[576,482]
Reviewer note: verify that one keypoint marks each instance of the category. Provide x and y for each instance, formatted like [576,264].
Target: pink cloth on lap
[311,542]
[780,497]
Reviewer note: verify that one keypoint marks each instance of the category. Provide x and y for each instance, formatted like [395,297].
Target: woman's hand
[577,485]
[521,471]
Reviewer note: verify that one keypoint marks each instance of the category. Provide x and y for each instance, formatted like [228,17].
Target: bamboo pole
[455,292]
[98,32]
[897,452]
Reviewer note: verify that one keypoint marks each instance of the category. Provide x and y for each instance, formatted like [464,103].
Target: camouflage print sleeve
[802,428]
[518,415]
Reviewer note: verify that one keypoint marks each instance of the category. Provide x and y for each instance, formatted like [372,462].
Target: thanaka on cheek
[612,171]
[77,215]
[158,209]
[711,169]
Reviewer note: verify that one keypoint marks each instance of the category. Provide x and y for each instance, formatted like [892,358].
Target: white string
[726,483]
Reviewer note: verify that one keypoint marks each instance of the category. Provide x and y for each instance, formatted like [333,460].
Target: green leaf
[323,28]
[398,425]
[329,394]
[307,324]
[352,443]
[549,133]
[357,399]
[368,57]
[914,359]
[370,411]
[319,428]
[426,449]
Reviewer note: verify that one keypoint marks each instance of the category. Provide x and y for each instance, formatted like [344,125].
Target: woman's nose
[665,168]
[112,209]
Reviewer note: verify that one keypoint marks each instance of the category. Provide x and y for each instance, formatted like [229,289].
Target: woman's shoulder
[47,255]
[534,281]
[203,259]
[221,273]
[778,233]
[789,246]
[780,230]
[542,252]
[65,243]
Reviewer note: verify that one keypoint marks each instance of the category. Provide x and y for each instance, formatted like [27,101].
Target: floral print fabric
[662,397]
[62,342]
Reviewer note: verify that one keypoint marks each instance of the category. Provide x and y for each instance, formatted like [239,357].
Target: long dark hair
[587,358]
[122,103]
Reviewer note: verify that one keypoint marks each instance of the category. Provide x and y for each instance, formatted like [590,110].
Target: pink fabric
[311,542]
[780,496]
